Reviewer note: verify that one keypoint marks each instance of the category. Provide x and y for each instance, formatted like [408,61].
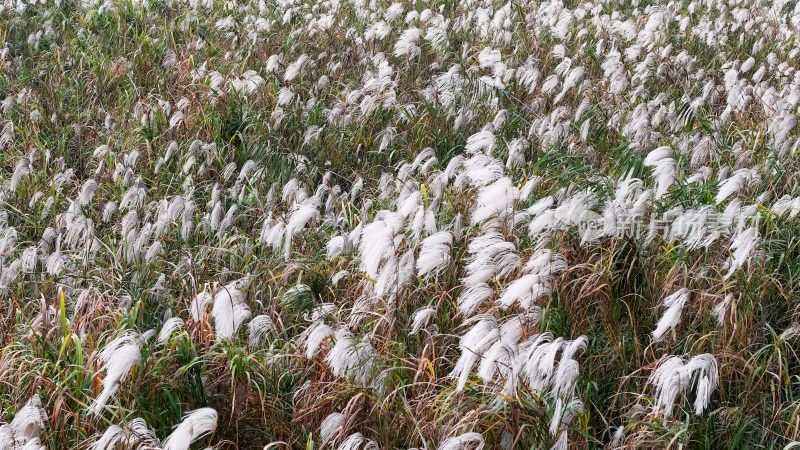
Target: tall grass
[430,224]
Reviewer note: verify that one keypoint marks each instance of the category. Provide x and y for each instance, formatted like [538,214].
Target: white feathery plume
[387,137]
[134,197]
[376,245]
[352,358]
[672,316]
[135,433]
[319,312]
[516,158]
[153,251]
[561,442]
[500,119]
[335,247]
[229,311]
[732,185]
[701,151]
[294,68]
[567,370]
[571,80]
[742,245]
[33,444]
[546,262]
[537,363]
[563,414]
[88,190]
[477,171]
[732,213]
[721,308]
[550,84]
[707,379]
[525,290]
[357,441]
[331,426]
[453,167]
[496,198]
[35,198]
[735,183]
[195,425]
[248,83]
[118,357]
[297,221]
[200,304]
[6,434]
[21,169]
[789,333]
[26,427]
[111,438]
[674,375]
[783,205]
[388,279]
[665,169]
[9,275]
[406,44]
[313,336]
[472,345]
[501,357]
[464,441]
[339,276]
[490,256]
[49,240]
[176,119]
[273,62]
[170,326]
[130,221]
[29,259]
[488,57]
[7,135]
[541,214]
[408,203]
[138,427]
[701,176]
[434,256]
[56,262]
[422,318]
[482,141]
[258,328]
[472,297]
[273,233]
[574,209]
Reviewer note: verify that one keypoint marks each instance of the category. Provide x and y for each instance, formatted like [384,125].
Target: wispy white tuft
[482,141]
[331,426]
[672,316]
[673,376]
[742,245]
[495,199]
[721,308]
[118,357]
[170,326]
[421,318]
[464,441]
[351,357]
[229,311]
[258,329]
[199,306]
[434,256]
[473,297]
[665,169]
[195,425]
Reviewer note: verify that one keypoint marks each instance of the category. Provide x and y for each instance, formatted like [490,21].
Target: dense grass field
[436,224]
